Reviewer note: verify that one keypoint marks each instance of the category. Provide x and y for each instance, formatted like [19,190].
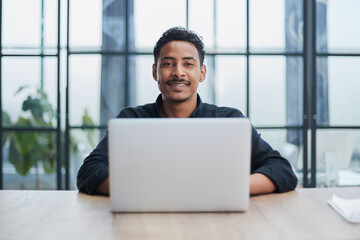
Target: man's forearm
[259,184]
[104,187]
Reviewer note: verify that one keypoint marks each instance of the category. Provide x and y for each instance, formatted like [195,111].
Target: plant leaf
[6,119]
[22,163]
[20,89]
[6,122]
[86,121]
[34,106]
[24,141]
[47,151]
[48,165]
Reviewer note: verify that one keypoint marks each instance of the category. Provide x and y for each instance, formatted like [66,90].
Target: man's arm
[259,184]
[104,187]
[93,175]
[270,172]
[94,169]
[272,167]
[266,162]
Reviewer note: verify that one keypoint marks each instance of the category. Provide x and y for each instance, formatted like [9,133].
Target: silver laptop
[179,165]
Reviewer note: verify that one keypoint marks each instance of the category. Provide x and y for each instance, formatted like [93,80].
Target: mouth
[178,82]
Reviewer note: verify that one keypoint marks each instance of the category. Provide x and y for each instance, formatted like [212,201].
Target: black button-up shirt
[264,159]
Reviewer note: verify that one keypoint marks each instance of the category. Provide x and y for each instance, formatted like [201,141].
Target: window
[30,97]
[289,65]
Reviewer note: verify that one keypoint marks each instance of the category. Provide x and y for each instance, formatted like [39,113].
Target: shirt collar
[195,113]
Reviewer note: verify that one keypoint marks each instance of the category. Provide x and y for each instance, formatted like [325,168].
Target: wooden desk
[300,214]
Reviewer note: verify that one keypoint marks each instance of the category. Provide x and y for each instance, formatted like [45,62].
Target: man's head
[180,34]
[178,67]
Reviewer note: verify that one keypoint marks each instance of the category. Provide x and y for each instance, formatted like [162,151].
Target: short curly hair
[180,34]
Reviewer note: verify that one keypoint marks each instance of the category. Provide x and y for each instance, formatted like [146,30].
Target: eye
[166,64]
[189,64]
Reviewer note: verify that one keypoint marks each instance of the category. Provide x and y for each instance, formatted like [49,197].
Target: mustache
[176,80]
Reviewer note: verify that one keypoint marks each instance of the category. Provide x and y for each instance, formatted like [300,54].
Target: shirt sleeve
[269,162]
[266,160]
[94,169]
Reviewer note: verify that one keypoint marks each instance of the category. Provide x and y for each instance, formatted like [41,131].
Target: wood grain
[300,214]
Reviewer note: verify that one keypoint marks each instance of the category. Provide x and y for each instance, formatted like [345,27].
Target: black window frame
[309,55]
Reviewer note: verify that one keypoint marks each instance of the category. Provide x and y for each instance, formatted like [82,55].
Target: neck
[173,109]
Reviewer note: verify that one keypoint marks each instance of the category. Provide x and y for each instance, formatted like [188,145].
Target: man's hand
[259,183]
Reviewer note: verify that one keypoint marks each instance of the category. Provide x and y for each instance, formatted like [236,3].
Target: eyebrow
[189,58]
[172,58]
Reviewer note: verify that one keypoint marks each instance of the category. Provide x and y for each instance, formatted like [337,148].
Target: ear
[154,73]
[202,73]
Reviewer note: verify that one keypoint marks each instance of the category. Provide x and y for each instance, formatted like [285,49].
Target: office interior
[67,67]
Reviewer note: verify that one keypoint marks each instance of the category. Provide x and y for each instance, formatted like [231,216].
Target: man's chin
[178,98]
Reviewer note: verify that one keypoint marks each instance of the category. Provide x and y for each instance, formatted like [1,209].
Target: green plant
[87,121]
[6,122]
[28,149]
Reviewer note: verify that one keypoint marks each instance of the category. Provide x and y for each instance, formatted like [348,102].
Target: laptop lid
[175,165]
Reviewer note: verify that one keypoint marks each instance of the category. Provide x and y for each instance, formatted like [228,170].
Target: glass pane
[112,95]
[344,85]
[338,157]
[29,160]
[276,25]
[113,25]
[63,79]
[343,35]
[206,89]
[105,78]
[159,13]
[279,140]
[84,88]
[268,91]
[21,25]
[21,29]
[294,84]
[354,164]
[85,31]
[267,25]
[82,143]
[197,23]
[63,25]
[36,102]
[146,87]
[231,24]
[50,26]
[230,84]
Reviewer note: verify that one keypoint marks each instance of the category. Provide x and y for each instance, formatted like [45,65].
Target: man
[178,70]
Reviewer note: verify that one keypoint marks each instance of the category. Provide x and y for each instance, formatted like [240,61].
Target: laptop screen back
[175,165]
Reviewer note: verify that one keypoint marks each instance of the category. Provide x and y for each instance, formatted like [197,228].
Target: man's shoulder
[211,110]
[142,111]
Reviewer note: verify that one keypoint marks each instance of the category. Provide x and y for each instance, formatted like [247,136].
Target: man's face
[178,71]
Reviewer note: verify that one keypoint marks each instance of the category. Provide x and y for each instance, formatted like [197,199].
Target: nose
[178,71]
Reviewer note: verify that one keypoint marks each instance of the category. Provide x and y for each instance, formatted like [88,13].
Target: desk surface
[300,214]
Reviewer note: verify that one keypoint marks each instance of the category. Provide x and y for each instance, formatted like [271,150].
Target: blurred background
[67,67]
